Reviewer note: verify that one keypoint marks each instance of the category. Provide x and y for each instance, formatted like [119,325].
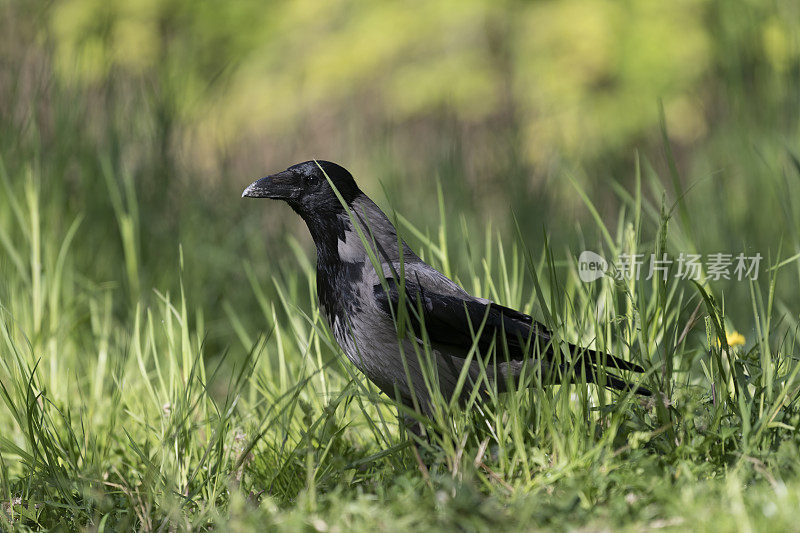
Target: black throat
[336,279]
[326,231]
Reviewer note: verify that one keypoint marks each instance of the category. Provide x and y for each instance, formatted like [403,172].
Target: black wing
[451,320]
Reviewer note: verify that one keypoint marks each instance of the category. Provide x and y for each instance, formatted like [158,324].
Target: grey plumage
[362,306]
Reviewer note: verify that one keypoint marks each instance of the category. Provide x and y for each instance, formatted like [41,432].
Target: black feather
[457,322]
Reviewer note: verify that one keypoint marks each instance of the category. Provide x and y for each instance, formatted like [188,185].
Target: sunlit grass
[115,415]
[163,362]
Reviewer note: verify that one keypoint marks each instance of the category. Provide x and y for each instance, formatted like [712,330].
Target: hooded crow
[362,303]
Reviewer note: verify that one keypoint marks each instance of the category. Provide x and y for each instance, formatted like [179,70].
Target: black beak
[280,186]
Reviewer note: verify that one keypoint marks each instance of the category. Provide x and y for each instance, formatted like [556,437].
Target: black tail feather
[590,361]
[614,382]
[592,357]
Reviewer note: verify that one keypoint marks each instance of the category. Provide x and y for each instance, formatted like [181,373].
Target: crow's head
[306,187]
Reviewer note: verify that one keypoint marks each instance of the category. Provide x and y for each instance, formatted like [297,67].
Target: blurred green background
[155,369]
[147,118]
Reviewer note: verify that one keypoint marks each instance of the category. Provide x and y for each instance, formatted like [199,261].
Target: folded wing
[453,320]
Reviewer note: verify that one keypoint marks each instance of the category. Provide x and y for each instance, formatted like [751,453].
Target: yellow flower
[734,339]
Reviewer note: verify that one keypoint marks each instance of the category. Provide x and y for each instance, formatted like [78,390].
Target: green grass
[120,412]
[163,363]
